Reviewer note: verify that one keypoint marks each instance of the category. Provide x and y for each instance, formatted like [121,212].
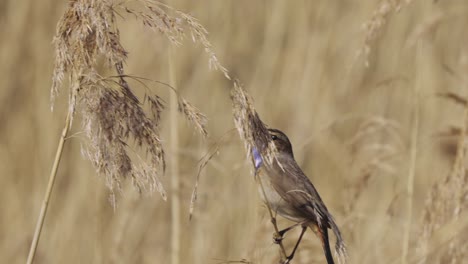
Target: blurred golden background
[360,133]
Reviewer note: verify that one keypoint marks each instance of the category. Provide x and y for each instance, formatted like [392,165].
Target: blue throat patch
[257,158]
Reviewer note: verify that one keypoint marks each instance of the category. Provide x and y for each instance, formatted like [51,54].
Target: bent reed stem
[50,186]
[273,218]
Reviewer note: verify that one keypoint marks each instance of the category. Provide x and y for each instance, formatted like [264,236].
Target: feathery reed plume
[155,16]
[253,132]
[374,25]
[193,115]
[112,113]
[374,147]
[447,202]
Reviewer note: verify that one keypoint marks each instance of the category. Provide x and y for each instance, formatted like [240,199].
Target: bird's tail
[322,233]
[340,247]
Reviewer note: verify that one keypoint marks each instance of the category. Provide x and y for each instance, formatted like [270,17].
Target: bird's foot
[277,237]
[288,260]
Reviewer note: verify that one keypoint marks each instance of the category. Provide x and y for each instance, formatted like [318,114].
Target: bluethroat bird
[288,192]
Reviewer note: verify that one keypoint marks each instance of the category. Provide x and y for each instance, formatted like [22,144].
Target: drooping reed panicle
[112,114]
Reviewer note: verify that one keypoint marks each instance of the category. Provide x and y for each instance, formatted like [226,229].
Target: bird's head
[281,141]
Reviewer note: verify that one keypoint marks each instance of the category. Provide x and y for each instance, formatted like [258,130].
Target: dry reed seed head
[252,131]
[112,115]
[377,140]
[374,25]
[447,199]
[111,118]
[376,148]
[87,29]
[157,105]
[193,115]
[157,16]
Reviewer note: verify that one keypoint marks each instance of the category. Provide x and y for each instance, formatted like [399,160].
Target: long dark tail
[326,245]
[322,233]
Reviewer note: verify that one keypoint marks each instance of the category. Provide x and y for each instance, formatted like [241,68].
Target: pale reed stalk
[412,165]
[175,181]
[272,217]
[50,186]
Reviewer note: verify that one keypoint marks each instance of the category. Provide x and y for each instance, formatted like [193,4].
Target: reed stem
[273,219]
[50,186]
[412,167]
[175,181]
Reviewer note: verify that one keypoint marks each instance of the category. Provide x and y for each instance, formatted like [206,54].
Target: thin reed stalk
[273,218]
[175,180]
[412,166]
[50,186]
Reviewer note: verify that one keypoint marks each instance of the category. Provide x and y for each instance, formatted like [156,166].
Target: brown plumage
[291,194]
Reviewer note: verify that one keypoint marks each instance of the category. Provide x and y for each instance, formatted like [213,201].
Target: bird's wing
[295,188]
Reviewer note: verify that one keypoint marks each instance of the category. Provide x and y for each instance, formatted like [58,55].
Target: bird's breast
[271,197]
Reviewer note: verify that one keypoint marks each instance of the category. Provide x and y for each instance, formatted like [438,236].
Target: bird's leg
[288,259]
[277,237]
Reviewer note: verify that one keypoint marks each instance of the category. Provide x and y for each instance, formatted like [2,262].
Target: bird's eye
[274,137]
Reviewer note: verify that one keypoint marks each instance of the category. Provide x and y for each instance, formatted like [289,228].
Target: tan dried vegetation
[381,135]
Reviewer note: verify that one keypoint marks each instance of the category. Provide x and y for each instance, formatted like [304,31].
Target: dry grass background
[358,132]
